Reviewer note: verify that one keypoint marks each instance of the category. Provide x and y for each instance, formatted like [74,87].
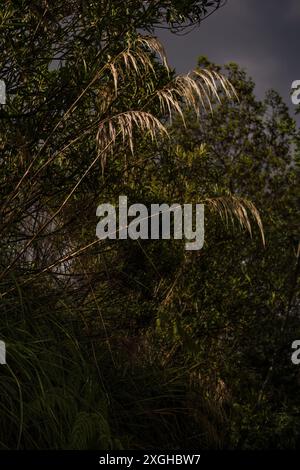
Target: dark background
[260,35]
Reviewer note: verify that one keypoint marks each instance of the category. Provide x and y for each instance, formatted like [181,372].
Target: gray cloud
[293,13]
[262,36]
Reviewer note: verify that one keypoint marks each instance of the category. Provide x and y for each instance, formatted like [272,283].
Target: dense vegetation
[140,344]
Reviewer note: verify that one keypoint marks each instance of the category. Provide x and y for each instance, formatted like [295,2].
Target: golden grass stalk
[232,208]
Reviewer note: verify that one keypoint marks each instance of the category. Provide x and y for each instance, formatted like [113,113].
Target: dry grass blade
[124,124]
[135,58]
[213,78]
[154,45]
[231,208]
[194,90]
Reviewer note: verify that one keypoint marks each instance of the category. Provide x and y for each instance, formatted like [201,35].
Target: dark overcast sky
[263,36]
